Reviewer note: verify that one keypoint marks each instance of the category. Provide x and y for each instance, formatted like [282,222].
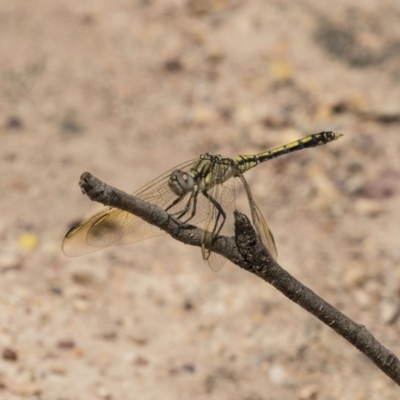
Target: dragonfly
[202,191]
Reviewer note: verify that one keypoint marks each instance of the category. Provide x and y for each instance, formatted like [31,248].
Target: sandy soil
[128,89]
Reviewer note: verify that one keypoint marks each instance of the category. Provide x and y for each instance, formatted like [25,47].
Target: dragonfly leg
[191,204]
[180,214]
[221,213]
[175,202]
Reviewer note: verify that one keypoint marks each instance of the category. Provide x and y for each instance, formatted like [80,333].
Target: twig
[257,261]
[246,251]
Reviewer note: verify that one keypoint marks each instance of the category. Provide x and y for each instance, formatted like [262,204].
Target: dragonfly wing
[103,229]
[111,226]
[259,222]
[264,232]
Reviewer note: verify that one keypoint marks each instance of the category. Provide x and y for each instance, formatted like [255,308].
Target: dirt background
[126,90]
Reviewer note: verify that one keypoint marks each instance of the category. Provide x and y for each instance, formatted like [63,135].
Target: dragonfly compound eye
[180,182]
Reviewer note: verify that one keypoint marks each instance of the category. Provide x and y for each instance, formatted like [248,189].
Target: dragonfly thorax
[181,182]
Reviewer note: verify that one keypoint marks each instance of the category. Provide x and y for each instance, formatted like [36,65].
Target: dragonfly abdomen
[317,139]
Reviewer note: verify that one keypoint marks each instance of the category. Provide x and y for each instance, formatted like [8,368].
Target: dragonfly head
[180,182]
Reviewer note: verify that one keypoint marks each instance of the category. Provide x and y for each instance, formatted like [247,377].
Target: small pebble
[66,344]
[10,354]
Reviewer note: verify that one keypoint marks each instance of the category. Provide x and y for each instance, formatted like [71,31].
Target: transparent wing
[264,231]
[259,222]
[225,194]
[112,226]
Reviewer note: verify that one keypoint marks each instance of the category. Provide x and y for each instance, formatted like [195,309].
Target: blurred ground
[127,90]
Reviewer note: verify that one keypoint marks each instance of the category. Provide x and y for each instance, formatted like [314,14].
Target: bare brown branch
[246,251]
